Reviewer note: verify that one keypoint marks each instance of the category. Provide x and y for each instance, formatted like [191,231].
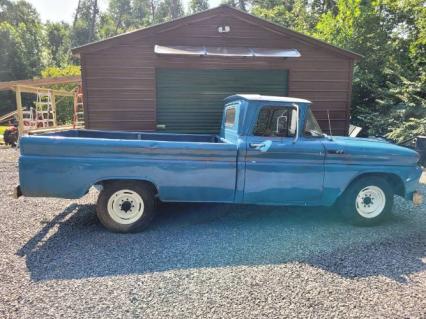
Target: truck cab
[275,148]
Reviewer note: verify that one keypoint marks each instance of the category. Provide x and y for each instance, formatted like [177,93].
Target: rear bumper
[17,192]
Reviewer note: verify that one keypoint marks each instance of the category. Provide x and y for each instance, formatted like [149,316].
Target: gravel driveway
[206,261]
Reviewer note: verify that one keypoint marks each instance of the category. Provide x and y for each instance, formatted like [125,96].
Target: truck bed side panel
[181,171]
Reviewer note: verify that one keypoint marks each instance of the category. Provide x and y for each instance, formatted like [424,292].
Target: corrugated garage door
[191,101]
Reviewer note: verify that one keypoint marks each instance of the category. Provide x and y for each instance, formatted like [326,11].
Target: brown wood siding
[119,81]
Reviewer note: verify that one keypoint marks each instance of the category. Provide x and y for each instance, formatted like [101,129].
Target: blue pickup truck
[270,151]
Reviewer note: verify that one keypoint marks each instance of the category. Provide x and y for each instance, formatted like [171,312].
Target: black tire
[111,220]
[348,202]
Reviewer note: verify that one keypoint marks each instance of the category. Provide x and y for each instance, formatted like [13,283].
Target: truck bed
[183,167]
[151,136]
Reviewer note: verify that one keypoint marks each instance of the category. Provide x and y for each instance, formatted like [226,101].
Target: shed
[174,76]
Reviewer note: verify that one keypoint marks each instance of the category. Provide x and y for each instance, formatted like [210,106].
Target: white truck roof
[258,97]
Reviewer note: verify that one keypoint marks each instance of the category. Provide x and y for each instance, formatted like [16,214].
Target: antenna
[329,123]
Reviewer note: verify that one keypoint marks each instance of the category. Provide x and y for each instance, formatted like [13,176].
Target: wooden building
[174,76]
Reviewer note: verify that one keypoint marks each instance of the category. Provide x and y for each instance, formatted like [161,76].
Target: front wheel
[126,206]
[367,201]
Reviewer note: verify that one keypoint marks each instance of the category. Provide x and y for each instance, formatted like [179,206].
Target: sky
[63,10]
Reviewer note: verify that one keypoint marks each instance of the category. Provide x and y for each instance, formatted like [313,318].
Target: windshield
[312,127]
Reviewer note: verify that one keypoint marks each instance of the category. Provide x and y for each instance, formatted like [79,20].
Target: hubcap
[125,206]
[370,202]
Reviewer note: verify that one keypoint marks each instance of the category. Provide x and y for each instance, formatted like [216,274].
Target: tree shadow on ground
[74,245]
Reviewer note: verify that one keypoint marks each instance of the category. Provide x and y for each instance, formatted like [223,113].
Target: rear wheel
[126,206]
[367,201]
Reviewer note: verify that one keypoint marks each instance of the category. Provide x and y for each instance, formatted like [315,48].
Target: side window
[230,117]
[276,121]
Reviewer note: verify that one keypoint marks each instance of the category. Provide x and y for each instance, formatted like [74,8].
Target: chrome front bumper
[417,198]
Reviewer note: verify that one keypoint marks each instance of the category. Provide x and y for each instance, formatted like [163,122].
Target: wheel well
[394,181]
[149,184]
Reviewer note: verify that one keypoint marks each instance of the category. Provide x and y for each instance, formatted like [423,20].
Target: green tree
[141,10]
[54,72]
[11,66]
[21,46]
[85,22]
[125,15]
[107,26]
[319,7]
[168,10]
[293,14]
[16,12]
[22,30]
[198,5]
[389,81]
[58,36]
[405,97]
[243,5]
[358,26]
[121,13]
[405,90]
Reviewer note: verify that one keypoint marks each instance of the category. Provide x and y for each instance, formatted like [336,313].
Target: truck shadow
[74,245]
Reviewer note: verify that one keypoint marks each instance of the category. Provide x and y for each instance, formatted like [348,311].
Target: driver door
[280,170]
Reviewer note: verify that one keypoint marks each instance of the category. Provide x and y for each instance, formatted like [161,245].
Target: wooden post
[53,100]
[19,111]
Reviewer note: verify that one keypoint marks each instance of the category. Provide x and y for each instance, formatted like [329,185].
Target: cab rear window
[230,117]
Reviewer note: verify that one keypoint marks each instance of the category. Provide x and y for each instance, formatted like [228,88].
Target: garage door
[191,101]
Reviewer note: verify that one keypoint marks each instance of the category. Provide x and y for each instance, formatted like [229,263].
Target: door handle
[261,147]
[256,145]
[337,152]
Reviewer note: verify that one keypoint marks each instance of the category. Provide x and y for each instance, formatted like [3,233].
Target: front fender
[338,177]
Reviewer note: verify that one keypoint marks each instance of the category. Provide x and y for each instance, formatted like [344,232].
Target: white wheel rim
[370,202]
[125,206]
